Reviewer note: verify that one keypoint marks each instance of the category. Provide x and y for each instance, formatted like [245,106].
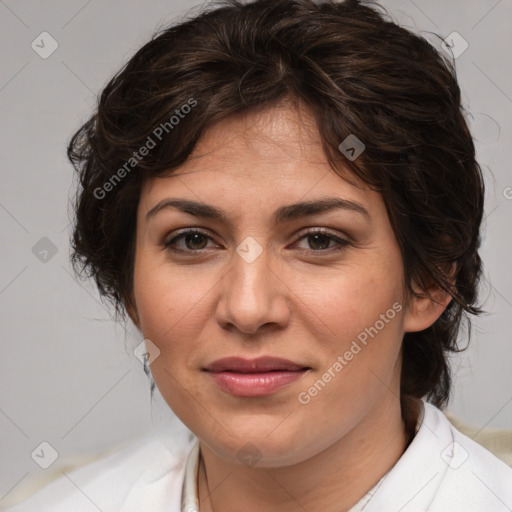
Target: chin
[261,445]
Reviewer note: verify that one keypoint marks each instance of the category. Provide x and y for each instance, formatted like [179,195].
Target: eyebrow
[281,215]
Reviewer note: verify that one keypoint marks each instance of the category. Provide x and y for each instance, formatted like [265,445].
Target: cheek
[357,328]
[347,302]
[355,314]
[171,307]
[169,299]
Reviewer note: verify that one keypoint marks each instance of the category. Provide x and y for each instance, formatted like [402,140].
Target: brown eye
[321,240]
[192,240]
[195,241]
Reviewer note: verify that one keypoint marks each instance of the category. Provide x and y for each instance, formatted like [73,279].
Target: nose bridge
[252,267]
[251,295]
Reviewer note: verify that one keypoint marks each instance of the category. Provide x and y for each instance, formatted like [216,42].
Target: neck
[331,481]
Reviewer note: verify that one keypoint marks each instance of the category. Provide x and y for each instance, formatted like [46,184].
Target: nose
[253,296]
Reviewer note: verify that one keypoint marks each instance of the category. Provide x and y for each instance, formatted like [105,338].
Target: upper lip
[260,364]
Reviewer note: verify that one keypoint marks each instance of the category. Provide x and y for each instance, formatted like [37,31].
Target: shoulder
[474,478]
[147,471]
[443,470]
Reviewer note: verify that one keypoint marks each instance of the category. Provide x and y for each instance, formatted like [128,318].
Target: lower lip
[254,384]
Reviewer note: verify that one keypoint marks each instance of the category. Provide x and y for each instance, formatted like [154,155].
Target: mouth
[254,377]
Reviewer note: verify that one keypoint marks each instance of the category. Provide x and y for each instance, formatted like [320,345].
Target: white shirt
[442,470]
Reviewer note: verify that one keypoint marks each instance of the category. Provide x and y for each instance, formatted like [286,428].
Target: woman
[284,198]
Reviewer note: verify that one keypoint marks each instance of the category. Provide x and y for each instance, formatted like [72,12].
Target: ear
[425,307]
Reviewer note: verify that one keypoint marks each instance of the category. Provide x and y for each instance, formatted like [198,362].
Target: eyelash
[342,243]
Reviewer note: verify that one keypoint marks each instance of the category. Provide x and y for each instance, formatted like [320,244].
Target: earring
[149,375]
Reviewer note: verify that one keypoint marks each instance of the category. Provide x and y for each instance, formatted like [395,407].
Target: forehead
[279,133]
[257,161]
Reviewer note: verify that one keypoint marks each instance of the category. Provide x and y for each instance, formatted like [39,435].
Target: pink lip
[254,377]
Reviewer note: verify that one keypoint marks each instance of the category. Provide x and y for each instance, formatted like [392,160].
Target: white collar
[189,498]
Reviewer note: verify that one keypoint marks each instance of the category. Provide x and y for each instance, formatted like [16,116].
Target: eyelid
[185,231]
[322,231]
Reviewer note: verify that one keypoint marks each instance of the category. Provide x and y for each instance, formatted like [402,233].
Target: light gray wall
[67,373]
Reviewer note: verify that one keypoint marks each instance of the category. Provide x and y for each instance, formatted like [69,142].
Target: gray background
[68,376]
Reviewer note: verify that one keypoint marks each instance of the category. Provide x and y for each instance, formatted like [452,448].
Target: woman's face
[259,280]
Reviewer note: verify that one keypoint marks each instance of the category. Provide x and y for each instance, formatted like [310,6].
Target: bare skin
[301,299]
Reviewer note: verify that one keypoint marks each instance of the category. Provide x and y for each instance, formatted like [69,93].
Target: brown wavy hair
[359,73]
